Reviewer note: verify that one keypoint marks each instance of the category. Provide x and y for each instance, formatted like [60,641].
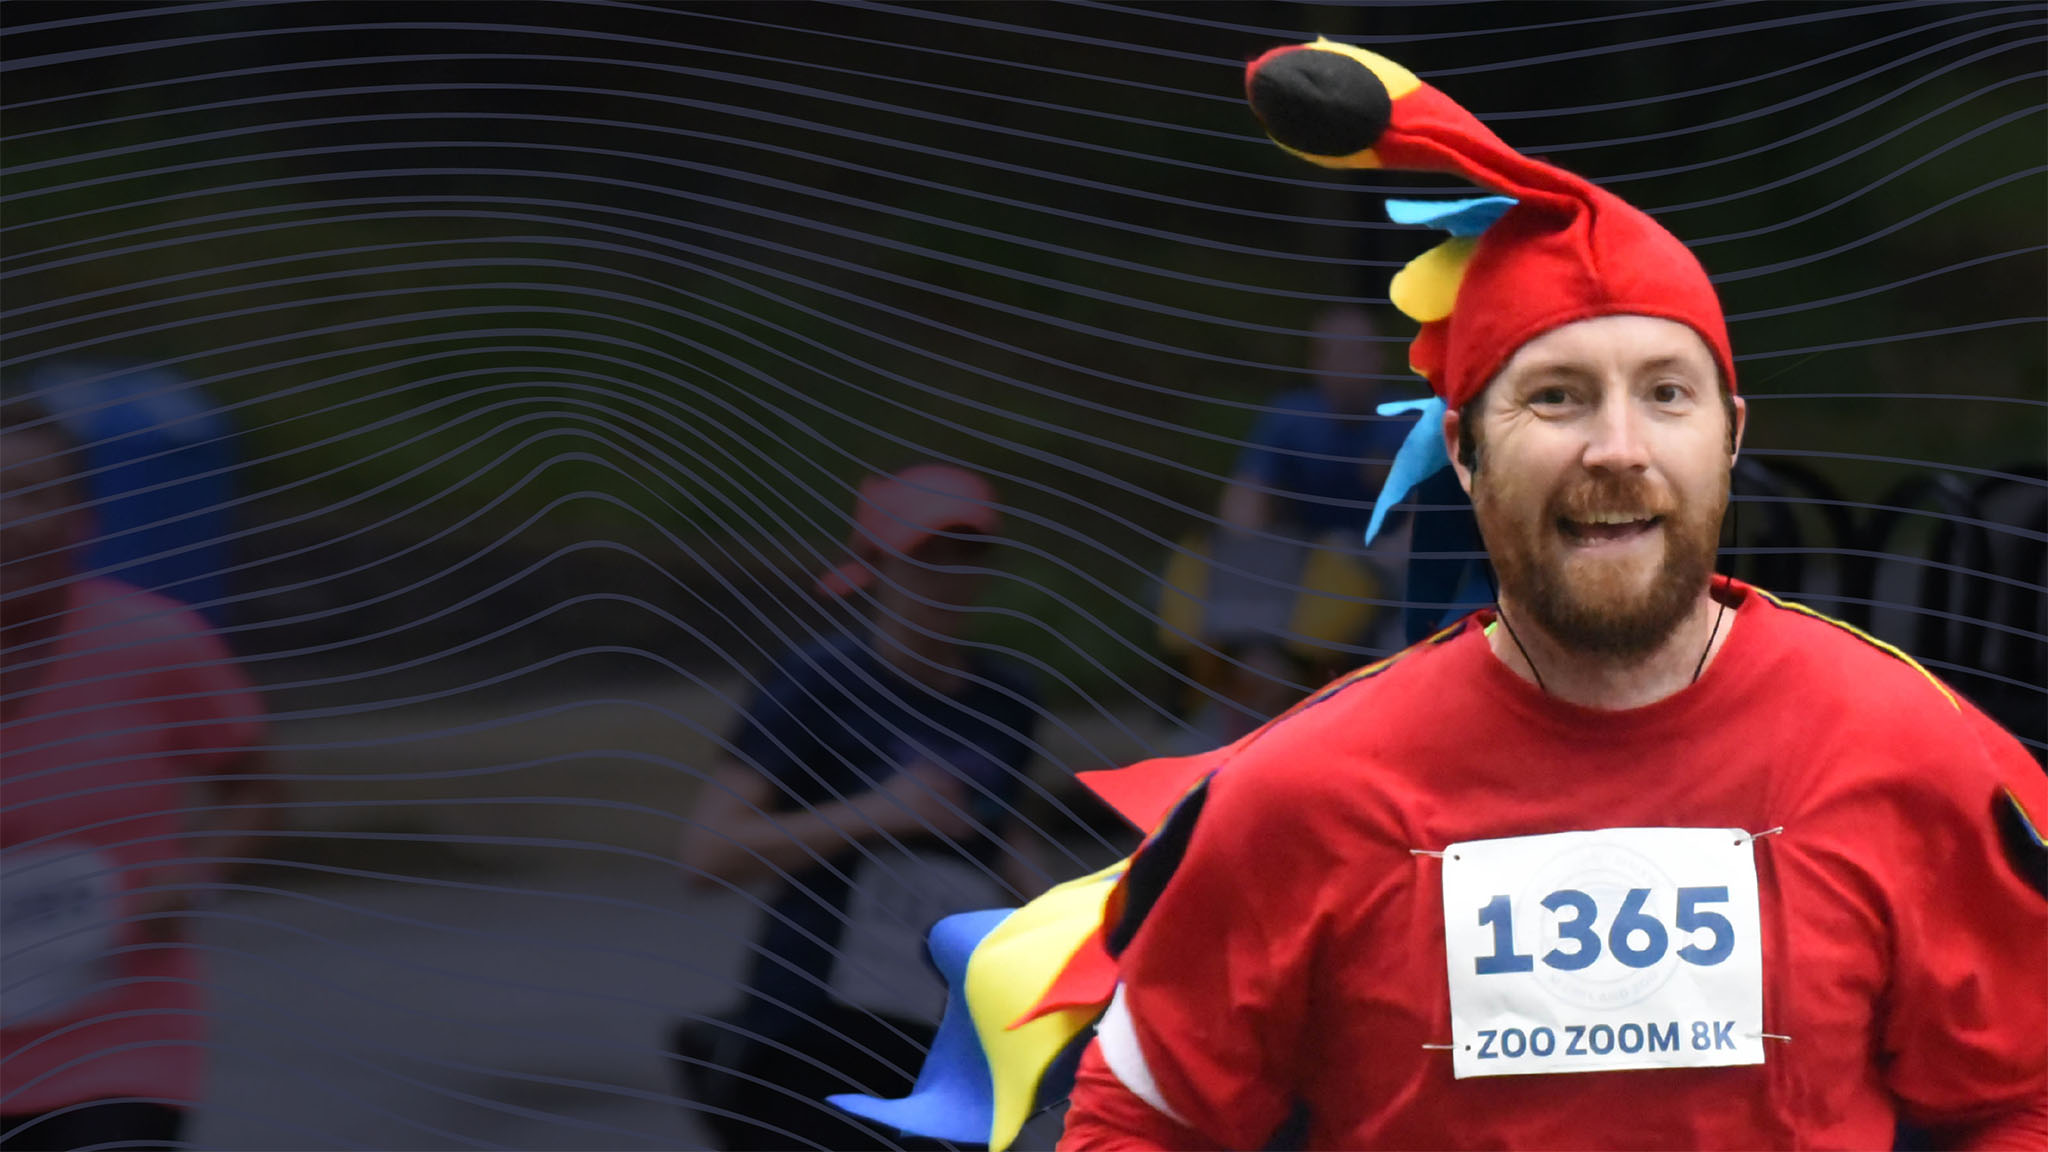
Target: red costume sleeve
[1966,1026]
[1108,1117]
[1219,978]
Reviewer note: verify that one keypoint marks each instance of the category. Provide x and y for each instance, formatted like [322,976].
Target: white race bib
[1595,951]
[57,929]
[881,964]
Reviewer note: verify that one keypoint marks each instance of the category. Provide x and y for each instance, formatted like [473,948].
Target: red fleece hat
[1566,250]
[897,513]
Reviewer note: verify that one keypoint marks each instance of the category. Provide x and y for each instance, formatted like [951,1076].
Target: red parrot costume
[1286,935]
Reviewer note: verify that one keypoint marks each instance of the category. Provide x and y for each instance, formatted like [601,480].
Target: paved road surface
[474,1009]
[390,992]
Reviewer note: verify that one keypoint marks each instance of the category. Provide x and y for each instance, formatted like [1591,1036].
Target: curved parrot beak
[1327,102]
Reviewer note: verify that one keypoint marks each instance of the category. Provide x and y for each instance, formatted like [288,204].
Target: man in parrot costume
[1640,856]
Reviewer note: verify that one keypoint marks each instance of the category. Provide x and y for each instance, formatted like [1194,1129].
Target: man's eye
[1550,397]
[1668,393]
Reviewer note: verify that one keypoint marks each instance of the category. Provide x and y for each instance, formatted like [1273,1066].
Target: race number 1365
[1633,937]
[1618,931]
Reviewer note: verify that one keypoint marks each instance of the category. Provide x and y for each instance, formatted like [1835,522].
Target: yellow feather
[1008,973]
[1426,289]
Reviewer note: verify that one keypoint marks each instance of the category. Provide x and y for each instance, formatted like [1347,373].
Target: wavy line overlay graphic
[446,413]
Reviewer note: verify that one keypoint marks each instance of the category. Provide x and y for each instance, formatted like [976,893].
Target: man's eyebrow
[1665,363]
[1556,369]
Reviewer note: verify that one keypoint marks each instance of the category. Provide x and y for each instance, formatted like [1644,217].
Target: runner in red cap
[871,782]
[933,506]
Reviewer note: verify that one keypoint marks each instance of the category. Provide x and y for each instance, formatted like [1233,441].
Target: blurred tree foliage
[457,267]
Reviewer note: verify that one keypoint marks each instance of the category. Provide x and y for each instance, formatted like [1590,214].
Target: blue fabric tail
[954,1098]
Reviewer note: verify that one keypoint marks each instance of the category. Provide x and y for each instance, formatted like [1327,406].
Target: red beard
[1599,606]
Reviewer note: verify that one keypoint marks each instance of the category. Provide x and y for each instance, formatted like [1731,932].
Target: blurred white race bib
[882,963]
[57,927]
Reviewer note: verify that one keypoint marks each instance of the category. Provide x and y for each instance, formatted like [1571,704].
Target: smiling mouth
[1606,529]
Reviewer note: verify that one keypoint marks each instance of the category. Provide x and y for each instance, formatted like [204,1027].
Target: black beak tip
[1318,102]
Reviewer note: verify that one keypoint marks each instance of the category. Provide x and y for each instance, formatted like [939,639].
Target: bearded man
[1641,857]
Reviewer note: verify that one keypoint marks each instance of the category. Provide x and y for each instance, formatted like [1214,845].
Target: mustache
[1610,495]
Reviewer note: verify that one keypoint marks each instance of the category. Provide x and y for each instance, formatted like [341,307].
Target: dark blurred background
[507,371]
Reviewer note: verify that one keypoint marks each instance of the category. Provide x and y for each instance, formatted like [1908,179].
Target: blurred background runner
[1283,593]
[872,785]
[130,746]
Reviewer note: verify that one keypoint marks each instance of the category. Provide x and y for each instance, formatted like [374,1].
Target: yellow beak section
[1398,80]
[1365,158]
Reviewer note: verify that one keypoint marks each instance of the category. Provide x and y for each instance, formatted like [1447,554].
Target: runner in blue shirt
[873,780]
[1315,461]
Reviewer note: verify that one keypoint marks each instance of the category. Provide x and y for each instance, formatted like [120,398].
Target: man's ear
[1741,425]
[1452,422]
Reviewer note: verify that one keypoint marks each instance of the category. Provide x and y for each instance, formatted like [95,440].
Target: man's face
[1601,477]
[41,514]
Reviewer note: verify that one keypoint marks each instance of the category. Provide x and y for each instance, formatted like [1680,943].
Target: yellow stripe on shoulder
[1341,683]
[1374,668]
[1867,638]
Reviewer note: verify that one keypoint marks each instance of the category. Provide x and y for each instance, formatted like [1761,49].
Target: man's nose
[1615,440]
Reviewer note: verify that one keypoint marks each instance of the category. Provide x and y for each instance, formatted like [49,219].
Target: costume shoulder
[1905,725]
[1298,798]
[1397,688]
[1329,747]
[1842,673]
[1300,759]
